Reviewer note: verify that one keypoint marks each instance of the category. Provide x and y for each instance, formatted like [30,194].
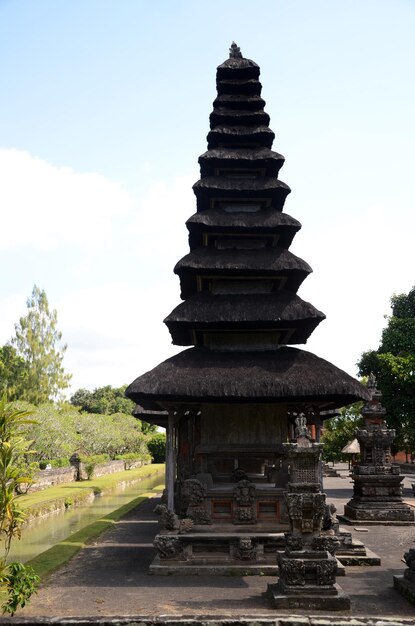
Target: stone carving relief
[244,494]
[330,521]
[168,520]
[168,547]
[246,549]
[194,499]
[326,572]
[292,571]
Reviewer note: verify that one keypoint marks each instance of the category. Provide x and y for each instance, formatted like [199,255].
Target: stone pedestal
[308,581]
[307,568]
[377,490]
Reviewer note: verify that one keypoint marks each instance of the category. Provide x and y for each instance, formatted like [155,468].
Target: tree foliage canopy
[107,401]
[37,342]
[13,372]
[393,364]
[338,431]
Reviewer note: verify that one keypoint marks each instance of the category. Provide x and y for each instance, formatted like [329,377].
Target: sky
[104,110]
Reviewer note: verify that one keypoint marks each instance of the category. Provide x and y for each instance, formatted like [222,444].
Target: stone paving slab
[109,578]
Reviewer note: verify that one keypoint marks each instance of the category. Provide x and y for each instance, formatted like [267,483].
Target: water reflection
[44,533]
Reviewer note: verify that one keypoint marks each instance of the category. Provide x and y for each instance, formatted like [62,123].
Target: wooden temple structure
[230,401]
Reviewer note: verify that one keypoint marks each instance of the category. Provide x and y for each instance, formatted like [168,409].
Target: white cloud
[44,206]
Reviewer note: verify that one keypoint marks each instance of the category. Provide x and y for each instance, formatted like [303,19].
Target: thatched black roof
[238,117]
[264,222]
[263,187]
[272,262]
[237,68]
[235,86]
[152,417]
[282,310]
[240,135]
[239,101]
[285,375]
[259,158]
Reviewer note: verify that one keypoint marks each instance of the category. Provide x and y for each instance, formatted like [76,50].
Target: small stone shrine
[405,584]
[377,489]
[229,402]
[307,567]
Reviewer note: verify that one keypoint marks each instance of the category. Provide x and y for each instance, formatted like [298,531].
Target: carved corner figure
[194,495]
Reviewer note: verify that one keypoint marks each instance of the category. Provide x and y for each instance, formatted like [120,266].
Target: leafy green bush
[17,582]
[57,463]
[157,447]
[90,462]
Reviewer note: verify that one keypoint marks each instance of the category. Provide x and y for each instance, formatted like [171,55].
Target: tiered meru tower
[229,402]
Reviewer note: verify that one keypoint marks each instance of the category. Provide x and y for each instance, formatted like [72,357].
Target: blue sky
[103,113]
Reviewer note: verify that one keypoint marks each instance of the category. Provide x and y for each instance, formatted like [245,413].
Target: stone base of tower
[377,499]
[307,581]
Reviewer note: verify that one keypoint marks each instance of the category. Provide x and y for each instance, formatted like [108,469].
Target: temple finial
[371,381]
[235,51]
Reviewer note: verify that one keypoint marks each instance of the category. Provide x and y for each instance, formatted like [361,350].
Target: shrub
[157,447]
[90,462]
[63,462]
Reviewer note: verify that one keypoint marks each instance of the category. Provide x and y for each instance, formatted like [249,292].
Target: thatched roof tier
[276,263]
[234,86]
[285,375]
[261,159]
[282,310]
[239,101]
[265,188]
[235,136]
[152,417]
[267,222]
[238,117]
[237,68]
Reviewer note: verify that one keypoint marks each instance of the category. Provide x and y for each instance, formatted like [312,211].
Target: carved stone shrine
[229,402]
[377,488]
[307,567]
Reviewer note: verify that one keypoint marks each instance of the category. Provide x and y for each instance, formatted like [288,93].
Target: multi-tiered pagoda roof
[239,282]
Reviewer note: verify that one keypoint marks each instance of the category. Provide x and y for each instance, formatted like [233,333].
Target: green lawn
[53,498]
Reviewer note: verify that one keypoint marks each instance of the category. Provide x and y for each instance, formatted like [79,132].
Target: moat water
[42,534]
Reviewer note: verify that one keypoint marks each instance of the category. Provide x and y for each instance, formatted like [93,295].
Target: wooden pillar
[170,462]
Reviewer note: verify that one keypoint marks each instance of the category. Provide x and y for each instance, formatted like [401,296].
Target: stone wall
[51,477]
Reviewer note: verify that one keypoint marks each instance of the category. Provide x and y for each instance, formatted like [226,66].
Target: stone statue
[235,51]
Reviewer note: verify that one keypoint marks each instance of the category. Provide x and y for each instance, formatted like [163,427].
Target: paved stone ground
[109,577]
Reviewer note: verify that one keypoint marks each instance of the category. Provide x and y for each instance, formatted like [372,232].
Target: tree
[13,372]
[393,364]
[338,431]
[104,400]
[107,400]
[37,342]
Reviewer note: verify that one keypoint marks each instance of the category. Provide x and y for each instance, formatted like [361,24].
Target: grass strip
[41,502]
[49,561]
